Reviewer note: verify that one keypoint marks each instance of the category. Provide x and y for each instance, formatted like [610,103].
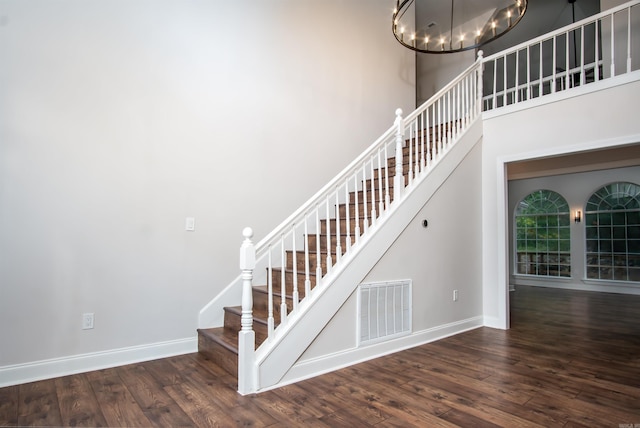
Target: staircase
[220,344]
[310,264]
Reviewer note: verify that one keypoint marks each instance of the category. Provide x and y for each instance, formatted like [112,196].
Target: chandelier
[441,26]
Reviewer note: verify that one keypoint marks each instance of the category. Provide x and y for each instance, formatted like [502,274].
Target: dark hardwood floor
[571,359]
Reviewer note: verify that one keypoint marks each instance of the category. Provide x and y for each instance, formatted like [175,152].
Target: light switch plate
[190,224]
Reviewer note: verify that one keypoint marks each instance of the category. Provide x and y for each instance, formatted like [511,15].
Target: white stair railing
[593,49]
[297,258]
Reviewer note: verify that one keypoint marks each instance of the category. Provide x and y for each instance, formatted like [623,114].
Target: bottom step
[221,347]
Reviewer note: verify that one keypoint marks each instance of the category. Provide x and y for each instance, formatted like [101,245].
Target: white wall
[565,126]
[576,189]
[118,119]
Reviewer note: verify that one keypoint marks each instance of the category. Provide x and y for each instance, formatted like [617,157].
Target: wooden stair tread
[264,289]
[287,270]
[222,336]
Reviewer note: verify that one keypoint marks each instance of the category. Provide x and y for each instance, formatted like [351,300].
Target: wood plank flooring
[571,359]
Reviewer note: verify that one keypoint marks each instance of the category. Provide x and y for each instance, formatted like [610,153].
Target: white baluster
[445,131]
[318,252]
[247,372]
[567,61]
[582,73]
[328,223]
[457,116]
[355,187]
[440,127]
[338,234]
[387,197]
[455,91]
[467,105]
[294,294]
[462,114]
[468,93]
[471,96]
[449,117]
[398,183]
[423,160]
[436,126]
[380,186]
[307,281]
[283,289]
[478,82]
[597,45]
[541,89]
[629,40]
[443,122]
[270,319]
[410,145]
[517,76]
[429,138]
[613,58]
[374,215]
[495,82]
[450,99]
[465,101]
[553,74]
[364,197]
[416,125]
[528,73]
[504,78]
[347,215]
[452,113]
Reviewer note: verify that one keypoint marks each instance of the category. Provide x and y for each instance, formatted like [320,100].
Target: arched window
[612,222]
[543,241]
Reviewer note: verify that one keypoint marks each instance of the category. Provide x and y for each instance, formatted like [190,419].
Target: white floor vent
[384,311]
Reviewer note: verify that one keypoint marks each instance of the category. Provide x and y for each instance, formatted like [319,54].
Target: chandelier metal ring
[432,26]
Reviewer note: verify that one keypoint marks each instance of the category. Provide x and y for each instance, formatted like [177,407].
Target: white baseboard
[56,367]
[328,363]
[600,286]
[494,322]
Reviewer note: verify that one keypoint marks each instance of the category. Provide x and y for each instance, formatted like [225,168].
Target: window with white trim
[543,235]
[612,226]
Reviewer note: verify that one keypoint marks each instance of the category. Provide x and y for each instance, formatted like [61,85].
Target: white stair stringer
[277,355]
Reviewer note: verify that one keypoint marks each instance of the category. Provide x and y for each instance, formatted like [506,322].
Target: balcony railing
[597,48]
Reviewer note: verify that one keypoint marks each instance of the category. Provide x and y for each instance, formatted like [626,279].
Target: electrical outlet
[87,321]
[455,295]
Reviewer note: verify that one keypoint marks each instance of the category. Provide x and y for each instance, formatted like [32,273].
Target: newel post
[480,78]
[247,374]
[398,180]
